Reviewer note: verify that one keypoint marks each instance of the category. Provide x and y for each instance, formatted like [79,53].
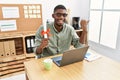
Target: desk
[100,69]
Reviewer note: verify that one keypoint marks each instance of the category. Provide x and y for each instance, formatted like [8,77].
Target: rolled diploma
[45,29]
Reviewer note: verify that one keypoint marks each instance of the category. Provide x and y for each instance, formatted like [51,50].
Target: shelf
[12,62]
[31,55]
[12,58]
[9,36]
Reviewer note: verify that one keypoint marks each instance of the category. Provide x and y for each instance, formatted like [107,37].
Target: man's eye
[64,15]
[59,14]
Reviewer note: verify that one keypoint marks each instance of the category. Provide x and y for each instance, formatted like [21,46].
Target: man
[61,35]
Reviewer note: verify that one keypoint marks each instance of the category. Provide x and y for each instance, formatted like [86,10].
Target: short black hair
[59,7]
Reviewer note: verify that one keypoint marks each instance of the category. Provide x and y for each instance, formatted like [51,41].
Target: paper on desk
[91,56]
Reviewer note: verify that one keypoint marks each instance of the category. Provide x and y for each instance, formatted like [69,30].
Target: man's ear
[52,15]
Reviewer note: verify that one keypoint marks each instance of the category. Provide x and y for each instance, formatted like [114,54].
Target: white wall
[78,8]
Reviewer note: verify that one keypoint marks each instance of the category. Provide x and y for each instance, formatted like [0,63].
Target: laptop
[70,56]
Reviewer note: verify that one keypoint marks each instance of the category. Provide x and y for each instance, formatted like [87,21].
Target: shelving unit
[12,42]
[19,46]
[13,52]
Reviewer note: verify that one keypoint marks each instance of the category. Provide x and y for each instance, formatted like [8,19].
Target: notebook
[70,56]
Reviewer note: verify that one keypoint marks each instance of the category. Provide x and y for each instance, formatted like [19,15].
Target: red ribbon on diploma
[45,32]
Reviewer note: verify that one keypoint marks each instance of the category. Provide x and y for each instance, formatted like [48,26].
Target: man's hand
[44,43]
[84,24]
[83,37]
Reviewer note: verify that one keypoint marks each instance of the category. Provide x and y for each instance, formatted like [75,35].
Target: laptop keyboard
[58,61]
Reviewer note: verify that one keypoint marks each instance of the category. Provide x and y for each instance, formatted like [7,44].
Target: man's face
[59,16]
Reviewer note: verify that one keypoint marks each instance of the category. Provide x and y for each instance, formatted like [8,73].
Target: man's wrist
[39,49]
[84,31]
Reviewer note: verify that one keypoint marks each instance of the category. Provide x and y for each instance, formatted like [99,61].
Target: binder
[28,45]
[2,54]
[12,47]
[32,43]
[30,40]
[6,48]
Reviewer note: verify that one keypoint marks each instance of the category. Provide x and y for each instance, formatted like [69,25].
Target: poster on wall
[8,25]
[10,12]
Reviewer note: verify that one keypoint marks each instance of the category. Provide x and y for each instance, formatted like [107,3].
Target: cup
[47,64]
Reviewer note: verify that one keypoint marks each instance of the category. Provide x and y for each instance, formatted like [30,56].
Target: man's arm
[43,44]
[40,42]
[83,37]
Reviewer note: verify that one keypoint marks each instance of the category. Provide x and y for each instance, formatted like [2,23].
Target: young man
[61,35]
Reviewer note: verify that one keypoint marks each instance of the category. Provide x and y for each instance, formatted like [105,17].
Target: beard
[59,22]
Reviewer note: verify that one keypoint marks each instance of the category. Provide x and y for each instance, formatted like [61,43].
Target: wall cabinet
[14,50]
[13,42]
